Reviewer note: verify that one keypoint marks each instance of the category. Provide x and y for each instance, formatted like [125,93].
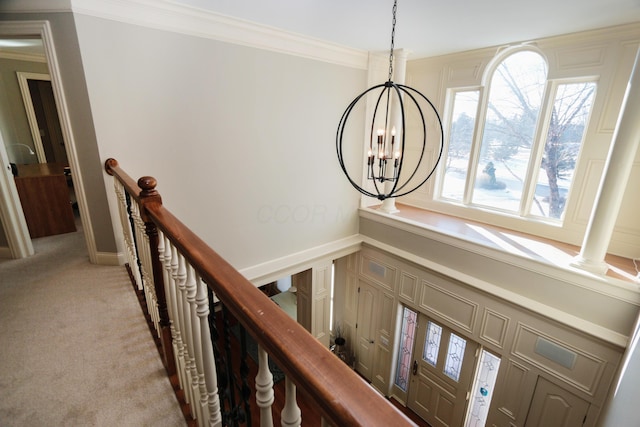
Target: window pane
[571,109]
[515,96]
[483,389]
[455,356]
[407,337]
[432,344]
[463,121]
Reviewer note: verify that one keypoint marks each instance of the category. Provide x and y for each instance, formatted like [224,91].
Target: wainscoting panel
[574,366]
[452,307]
[494,328]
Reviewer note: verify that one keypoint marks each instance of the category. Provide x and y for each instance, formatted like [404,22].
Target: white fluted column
[622,154]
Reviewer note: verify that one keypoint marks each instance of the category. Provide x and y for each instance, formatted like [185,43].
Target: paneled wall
[539,356]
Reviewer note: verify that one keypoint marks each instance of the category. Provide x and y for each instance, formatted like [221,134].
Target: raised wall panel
[587,57]
[609,117]
[379,271]
[320,320]
[386,315]
[464,73]
[352,261]
[458,310]
[588,191]
[554,357]
[409,286]
[494,327]
[508,399]
[381,368]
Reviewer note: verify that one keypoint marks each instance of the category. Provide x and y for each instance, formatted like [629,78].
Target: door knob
[415,367]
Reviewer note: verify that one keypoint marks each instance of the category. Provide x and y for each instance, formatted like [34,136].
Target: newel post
[148,196]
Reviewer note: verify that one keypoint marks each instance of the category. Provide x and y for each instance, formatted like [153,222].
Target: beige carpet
[74,347]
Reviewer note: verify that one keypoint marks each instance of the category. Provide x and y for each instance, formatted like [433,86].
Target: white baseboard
[110,258]
[275,269]
[5,252]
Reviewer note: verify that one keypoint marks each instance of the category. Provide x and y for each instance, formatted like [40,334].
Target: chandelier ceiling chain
[385,155]
[393,36]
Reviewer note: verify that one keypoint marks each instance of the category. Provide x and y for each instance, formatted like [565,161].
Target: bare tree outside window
[511,129]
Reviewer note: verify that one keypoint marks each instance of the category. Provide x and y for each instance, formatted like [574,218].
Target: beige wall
[241,140]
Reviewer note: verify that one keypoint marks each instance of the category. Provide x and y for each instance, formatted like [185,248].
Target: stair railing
[182,280]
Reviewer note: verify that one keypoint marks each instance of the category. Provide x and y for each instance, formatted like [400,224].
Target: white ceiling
[424,27]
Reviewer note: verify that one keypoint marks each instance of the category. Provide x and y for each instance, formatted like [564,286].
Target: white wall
[241,140]
[622,409]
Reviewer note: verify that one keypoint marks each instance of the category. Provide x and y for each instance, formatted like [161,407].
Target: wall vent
[556,353]
[377,269]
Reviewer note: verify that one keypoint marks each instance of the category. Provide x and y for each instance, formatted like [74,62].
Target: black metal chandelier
[388,170]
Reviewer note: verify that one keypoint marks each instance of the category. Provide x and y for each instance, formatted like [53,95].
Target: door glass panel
[432,344]
[409,319]
[455,356]
[483,389]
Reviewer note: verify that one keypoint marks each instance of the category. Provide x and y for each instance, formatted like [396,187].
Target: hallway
[75,347]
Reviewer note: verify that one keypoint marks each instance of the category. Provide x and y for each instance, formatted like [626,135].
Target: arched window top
[522,58]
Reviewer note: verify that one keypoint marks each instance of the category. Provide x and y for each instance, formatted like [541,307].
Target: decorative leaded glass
[483,389]
[432,344]
[455,356]
[409,319]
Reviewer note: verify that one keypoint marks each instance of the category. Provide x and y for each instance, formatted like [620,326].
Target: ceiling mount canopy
[400,156]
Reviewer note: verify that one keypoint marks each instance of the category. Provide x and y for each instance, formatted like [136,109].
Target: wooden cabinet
[44,195]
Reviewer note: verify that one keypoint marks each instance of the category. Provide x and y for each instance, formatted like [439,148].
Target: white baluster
[145,262]
[197,373]
[264,389]
[209,394]
[290,416]
[185,321]
[173,291]
[165,256]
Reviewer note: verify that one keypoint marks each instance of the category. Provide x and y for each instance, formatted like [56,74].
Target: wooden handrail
[342,396]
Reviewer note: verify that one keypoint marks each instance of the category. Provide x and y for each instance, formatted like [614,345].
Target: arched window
[513,145]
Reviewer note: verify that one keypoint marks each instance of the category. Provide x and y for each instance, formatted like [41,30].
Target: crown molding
[170,16]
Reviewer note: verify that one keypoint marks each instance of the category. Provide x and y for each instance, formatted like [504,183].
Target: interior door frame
[12,224]
[11,213]
[23,82]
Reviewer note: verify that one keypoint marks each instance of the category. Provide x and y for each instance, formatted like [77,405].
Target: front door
[442,374]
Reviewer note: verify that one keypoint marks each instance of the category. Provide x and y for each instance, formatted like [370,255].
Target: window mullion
[539,139]
[474,155]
